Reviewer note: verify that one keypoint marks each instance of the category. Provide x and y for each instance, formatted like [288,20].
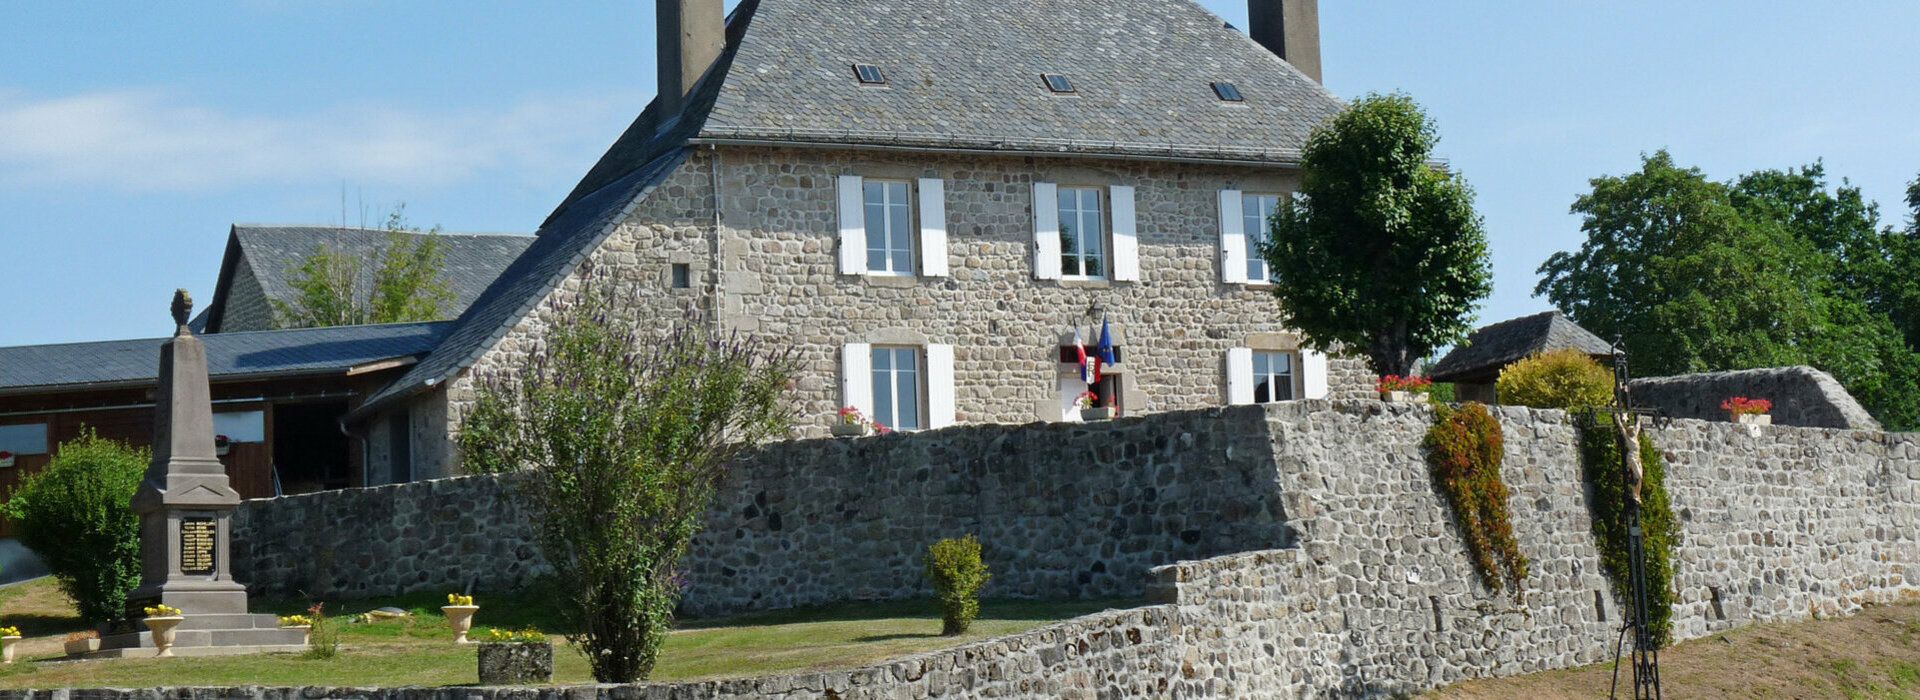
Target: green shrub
[1465,447]
[323,641]
[956,573]
[624,435]
[76,515]
[1441,392]
[1600,458]
[1566,379]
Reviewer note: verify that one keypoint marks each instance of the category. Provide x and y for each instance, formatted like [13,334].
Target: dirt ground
[1875,654]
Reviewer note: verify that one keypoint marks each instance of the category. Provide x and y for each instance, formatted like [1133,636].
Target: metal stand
[1646,648]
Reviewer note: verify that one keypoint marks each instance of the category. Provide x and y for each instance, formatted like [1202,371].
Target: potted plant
[1748,411]
[1394,388]
[83,643]
[222,444]
[851,424]
[521,656]
[6,459]
[1088,412]
[299,622]
[459,611]
[162,619]
[9,638]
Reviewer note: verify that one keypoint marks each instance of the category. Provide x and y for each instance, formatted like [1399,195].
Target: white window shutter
[1239,376]
[1233,238]
[933,227]
[856,377]
[940,389]
[1126,238]
[1046,231]
[853,226]
[1313,374]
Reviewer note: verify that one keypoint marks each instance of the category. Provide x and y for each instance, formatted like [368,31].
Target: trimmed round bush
[1565,379]
[956,573]
[77,516]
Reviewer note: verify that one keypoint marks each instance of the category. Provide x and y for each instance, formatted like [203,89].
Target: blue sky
[133,134]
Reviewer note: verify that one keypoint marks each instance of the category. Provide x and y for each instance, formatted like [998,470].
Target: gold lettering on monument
[197,538]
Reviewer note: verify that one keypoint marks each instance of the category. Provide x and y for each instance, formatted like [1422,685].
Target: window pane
[1259,364]
[1261,389]
[876,234]
[882,359]
[903,260]
[907,390]
[245,426]
[1282,363]
[27,439]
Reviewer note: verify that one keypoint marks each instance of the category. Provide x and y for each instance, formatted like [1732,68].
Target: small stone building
[926,200]
[1475,365]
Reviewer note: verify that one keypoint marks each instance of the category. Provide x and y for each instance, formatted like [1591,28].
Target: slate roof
[560,247]
[472,259]
[1493,347]
[230,356]
[967,74]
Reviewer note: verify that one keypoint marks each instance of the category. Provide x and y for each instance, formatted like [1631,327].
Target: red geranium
[1394,382]
[1742,406]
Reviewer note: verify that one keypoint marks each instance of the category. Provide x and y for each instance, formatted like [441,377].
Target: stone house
[1475,365]
[925,200]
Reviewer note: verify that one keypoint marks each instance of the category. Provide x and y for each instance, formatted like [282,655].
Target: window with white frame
[896,387]
[1082,233]
[1273,374]
[889,215]
[1256,210]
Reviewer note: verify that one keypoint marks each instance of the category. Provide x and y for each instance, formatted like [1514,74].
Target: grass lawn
[1875,654]
[420,650]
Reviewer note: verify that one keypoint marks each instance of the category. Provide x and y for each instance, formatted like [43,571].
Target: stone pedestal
[186,508]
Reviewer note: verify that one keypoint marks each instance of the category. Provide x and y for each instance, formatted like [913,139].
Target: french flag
[1080,351]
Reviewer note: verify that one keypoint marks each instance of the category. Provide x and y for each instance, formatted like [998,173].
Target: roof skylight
[1228,92]
[869,74]
[1058,83]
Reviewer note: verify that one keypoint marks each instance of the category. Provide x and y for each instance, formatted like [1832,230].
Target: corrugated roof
[560,247]
[967,74]
[28,368]
[1500,344]
[272,250]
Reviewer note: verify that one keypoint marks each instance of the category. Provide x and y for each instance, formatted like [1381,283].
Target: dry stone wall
[1368,592]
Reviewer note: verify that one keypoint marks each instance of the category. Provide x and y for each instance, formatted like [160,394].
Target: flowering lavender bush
[625,427]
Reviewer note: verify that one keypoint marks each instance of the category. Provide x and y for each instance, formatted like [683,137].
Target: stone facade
[1338,568]
[772,269]
[1801,396]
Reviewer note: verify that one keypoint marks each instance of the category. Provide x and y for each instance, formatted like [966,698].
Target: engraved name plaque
[197,538]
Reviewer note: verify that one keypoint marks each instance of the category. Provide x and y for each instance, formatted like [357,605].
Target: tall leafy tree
[1772,269]
[1381,254]
[334,287]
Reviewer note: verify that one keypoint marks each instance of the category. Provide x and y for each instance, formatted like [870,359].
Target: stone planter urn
[509,663]
[849,430]
[9,647]
[1094,414]
[460,620]
[1753,419]
[163,629]
[1401,396]
[78,647]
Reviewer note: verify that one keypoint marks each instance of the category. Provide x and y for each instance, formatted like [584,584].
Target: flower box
[1754,419]
[78,647]
[222,445]
[1402,396]
[1095,414]
[849,430]
[507,663]
[6,459]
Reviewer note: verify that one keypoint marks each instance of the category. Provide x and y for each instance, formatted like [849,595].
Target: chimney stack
[691,36]
[1290,29]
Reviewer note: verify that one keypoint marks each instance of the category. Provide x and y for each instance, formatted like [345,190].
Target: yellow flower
[9,631]
[457,599]
[163,611]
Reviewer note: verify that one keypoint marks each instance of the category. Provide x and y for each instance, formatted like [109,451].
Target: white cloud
[147,140]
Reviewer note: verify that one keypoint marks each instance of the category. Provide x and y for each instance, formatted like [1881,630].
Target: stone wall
[1068,510]
[1339,570]
[1801,396]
